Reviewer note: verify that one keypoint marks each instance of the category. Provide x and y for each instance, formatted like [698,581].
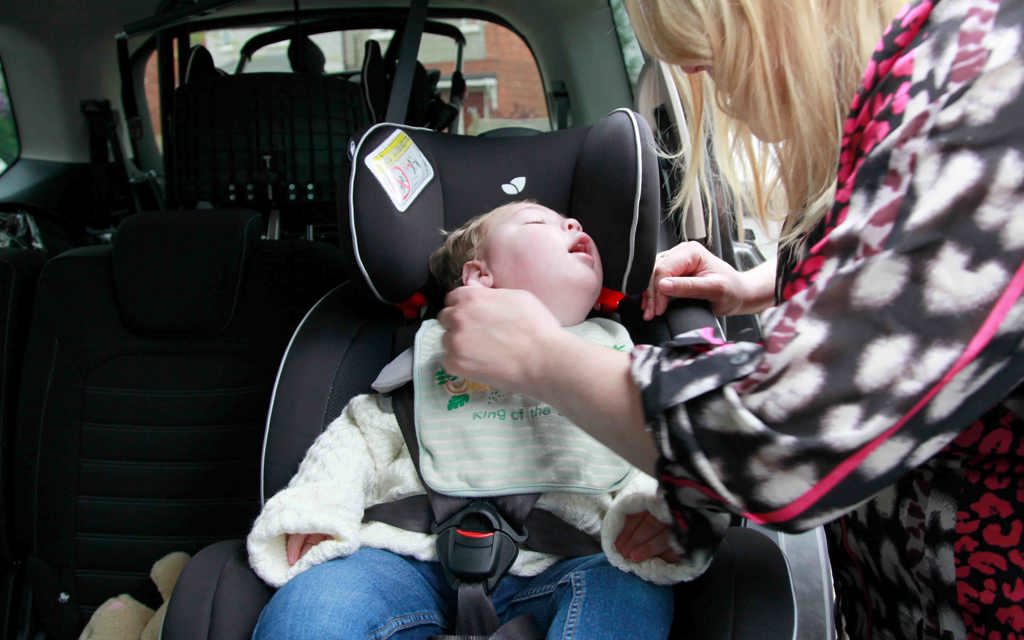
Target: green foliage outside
[9,146]
[631,52]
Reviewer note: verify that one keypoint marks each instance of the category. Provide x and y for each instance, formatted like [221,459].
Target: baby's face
[536,249]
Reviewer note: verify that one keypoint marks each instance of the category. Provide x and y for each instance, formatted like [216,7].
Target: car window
[632,55]
[503,82]
[10,147]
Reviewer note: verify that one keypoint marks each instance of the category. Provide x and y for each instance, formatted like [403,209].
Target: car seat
[146,379]
[606,176]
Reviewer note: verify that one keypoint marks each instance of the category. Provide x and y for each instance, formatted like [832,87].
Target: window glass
[632,55]
[503,83]
[152,87]
[10,147]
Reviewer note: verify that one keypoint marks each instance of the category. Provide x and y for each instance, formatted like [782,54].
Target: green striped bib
[478,441]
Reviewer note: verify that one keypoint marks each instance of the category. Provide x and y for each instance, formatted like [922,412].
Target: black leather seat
[148,374]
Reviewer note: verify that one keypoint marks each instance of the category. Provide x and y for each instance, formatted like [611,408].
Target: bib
[478,441]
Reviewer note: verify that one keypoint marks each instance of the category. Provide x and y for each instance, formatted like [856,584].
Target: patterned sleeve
[911,326]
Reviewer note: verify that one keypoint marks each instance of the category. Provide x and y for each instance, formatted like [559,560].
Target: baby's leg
[370,594]
[589,598]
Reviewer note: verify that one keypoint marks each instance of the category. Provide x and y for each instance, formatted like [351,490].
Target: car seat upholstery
[264,141]
[19,269]
[144,392]
[605,175]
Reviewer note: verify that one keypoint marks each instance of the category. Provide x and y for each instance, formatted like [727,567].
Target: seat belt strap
[401,84]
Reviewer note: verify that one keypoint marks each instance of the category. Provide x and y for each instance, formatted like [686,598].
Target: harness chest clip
[477,544]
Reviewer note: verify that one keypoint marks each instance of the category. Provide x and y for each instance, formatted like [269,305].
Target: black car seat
[426,107]
[147,376]
[606,176]
[305,56]
[273,142]
[19,269]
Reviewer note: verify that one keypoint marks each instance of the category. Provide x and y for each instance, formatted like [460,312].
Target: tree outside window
[9,145]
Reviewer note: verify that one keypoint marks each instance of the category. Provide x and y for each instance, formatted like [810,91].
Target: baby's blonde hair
[463,244]
[793,66]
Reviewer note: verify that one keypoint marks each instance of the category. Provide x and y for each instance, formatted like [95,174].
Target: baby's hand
[297,544]
[644,537]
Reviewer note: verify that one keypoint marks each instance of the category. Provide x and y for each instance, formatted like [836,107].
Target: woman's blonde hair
[766,130]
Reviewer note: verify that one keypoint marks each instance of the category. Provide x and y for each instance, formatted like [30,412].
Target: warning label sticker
[401,168]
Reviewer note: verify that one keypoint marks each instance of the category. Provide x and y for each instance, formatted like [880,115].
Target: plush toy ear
[164,574]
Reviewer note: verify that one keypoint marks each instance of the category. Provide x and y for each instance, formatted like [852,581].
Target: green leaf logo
[457,401]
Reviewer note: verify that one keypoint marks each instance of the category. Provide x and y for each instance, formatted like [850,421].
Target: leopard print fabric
[899,332]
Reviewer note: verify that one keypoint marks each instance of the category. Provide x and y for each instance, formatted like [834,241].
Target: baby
[351,578]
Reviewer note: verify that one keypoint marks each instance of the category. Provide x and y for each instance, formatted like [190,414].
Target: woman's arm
[902,340]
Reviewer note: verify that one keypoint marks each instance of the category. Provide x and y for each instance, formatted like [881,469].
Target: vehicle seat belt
[401,84]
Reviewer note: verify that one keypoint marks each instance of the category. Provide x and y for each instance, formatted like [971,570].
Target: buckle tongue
[477,545]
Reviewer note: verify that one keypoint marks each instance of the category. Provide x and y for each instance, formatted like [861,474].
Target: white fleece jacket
[361,460]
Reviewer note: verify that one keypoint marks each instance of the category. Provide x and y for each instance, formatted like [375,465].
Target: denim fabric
[377,594]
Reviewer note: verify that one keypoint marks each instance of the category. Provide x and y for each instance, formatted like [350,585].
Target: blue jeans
[377,594]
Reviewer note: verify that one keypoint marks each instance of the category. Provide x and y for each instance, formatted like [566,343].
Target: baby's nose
[572,224]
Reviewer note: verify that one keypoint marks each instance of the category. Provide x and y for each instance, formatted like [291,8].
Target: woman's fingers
[684,259]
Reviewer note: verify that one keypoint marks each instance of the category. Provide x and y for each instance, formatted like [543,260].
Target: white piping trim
[277,380]
[636,196]
[352,204]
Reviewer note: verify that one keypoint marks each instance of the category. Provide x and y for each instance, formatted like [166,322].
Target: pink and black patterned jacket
[883,401]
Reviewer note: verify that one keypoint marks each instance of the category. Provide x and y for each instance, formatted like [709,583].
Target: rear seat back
[19,269]
[261,140]
[145,391]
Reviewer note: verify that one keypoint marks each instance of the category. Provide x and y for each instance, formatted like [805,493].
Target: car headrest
[200,65]
[305,56]
[181,272]
[407,184]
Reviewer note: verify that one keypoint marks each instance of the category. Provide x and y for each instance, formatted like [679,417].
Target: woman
[883,400]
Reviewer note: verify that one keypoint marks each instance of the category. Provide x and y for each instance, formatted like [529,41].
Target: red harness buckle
[608,300]
[411,306]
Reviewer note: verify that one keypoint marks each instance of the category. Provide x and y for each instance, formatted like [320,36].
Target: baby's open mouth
[581,246]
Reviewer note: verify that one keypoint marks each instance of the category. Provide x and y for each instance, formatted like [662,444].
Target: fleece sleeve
[641,494]
[327,495]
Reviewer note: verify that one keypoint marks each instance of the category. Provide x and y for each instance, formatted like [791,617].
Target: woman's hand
[497,336]
[297,544]
[689,270]
[644,537]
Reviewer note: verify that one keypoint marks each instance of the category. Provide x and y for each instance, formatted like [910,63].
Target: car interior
[201,268]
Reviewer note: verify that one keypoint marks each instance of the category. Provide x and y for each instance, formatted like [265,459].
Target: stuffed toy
[125,618]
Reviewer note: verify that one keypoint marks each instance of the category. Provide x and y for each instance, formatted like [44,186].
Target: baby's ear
[475,273]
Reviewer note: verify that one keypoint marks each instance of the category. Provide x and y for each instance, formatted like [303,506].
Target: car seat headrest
[181,273]
[408,184]
[200,65]
[305,56]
